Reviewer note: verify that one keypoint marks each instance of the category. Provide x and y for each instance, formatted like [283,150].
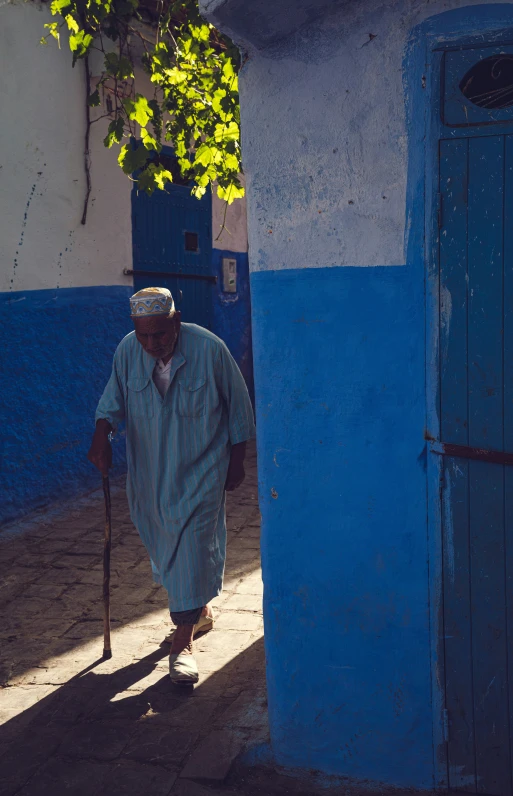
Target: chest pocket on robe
[140,398]
[191,397]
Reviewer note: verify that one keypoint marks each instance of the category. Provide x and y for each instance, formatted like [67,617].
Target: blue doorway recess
[172,247]
[475,221]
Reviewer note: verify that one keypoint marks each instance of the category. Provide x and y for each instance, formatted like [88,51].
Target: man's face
[158,334]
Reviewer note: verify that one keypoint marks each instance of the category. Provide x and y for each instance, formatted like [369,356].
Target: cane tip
[107,655]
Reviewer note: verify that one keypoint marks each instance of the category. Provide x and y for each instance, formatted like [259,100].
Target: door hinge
[445,723]
[440,210]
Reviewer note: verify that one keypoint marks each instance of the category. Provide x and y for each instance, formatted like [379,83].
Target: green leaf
[72,23]
[193,69]
[219,95]
[94,99]
[231,162]
[131,160]
[227,132]
[150,142]
[200,32]
[121,68]
[162,176]
[199,191]
[180,148]
[115,132]
[153,177]
[204,155]
[138,110]
[173,76]
[53,28]
[228,70]
[61,7]
[231,192]
[79,44]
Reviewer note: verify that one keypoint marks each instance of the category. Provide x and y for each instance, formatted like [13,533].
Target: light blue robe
[178,451]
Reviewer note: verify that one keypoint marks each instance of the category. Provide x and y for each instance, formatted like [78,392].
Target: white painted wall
[42,242]
[324,138]
[42,181]
[229,224]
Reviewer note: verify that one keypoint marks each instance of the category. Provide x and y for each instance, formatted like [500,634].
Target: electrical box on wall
[229,275]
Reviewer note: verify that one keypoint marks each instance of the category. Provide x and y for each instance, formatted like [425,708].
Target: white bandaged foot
[183,668]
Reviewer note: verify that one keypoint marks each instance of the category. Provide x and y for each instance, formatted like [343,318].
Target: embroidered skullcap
[152,301]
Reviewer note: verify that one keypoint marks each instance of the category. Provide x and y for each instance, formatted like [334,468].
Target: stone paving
[71,723]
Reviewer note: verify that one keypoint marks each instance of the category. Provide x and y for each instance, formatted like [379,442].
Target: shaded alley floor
[71,723]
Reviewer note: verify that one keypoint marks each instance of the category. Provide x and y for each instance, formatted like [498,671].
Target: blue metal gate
[172,247]
[475,216]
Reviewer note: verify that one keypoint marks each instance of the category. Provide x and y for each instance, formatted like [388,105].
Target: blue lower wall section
[232,313]
[57,348]
[340,397]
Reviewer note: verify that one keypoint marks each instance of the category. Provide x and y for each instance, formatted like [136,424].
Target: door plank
[454,428]
[457,627]
[508,406]
[158,232]
[486,481]
[453,291]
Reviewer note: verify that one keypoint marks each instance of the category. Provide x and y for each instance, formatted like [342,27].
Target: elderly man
[188,417]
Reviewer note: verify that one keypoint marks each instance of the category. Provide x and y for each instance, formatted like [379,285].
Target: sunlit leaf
[72,23]
[115,132]
[227,132]
[150,142]
[53,29]
[62,7]
[230,193]
[193,100]
[138,109]
[79,43]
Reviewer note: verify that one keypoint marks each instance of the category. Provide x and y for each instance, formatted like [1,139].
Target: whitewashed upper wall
[229,224]
[324,138]
[42,242]
[42,180]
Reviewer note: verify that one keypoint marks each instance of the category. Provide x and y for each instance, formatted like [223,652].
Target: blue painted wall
[341,407]
[345,376]
[232,313]
[57,348]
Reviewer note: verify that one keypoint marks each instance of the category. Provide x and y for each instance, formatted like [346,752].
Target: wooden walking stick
[107,652]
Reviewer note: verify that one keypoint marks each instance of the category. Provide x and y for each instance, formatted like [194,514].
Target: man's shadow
[84,720]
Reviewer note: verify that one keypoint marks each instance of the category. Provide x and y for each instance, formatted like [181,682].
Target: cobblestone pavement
[71,723]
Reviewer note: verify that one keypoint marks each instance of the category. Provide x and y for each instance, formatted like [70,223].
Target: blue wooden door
[172,234]
[476,411]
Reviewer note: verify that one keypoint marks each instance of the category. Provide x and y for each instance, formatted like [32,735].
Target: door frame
[423,95]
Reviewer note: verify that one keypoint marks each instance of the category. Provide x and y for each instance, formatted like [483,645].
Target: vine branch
[87,151]
[193,102]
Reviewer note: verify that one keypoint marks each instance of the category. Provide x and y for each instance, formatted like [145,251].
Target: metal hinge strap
[477,454]
[171,274]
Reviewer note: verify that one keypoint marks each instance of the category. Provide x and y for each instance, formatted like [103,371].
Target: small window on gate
[191,242]
[489,83]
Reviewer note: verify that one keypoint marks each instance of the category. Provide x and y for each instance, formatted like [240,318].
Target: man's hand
[236,472]
[100,453]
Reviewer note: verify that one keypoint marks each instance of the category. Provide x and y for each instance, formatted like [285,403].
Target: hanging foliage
[194,100]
